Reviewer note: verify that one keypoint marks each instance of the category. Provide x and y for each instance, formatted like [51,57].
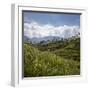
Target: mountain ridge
[47,39]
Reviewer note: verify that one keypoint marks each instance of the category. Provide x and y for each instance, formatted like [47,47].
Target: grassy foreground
[48,62]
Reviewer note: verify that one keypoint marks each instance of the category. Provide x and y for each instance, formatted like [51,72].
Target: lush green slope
[43,61]
[68,48]
[70,51]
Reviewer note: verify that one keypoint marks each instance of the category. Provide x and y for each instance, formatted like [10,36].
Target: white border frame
[16,52]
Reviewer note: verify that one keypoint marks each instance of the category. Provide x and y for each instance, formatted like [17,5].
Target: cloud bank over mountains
[36,30]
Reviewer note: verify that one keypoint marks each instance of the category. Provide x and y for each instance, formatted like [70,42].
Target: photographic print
[51,43]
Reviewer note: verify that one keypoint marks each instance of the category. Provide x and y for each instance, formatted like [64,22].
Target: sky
[43,24]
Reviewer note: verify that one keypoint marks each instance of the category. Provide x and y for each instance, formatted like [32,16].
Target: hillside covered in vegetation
[52,58]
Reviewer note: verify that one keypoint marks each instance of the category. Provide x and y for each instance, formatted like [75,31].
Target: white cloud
[34,29]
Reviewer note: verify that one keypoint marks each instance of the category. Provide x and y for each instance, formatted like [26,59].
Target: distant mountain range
[38,40]
[46,39]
